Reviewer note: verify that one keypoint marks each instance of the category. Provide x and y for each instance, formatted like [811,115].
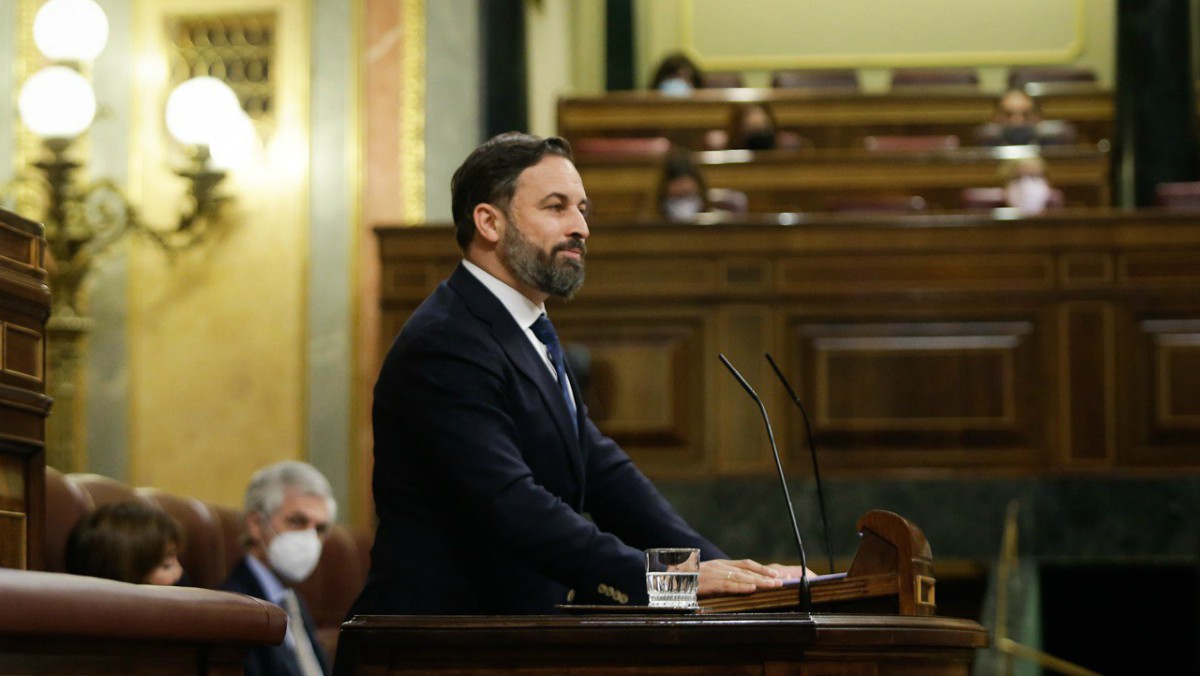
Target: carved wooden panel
[1167,395]
[24,309]
[1087,382]
[904,393]
[642,381]
[1069,342]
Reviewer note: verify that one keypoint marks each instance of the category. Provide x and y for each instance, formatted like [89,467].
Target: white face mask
[294,554]
[683,208]
[1028,194]
[675,86]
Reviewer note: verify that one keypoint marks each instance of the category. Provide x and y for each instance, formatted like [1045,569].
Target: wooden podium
[775,643]
[891,577]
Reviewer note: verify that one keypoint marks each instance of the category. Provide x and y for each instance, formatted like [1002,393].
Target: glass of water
[672,577]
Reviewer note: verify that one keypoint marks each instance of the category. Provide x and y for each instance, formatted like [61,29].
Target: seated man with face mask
[1018,121]
[289,508]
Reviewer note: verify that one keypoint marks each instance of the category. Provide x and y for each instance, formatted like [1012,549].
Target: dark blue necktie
[544,331]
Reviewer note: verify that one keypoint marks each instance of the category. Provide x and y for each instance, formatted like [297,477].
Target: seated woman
[129,542]
[1026,188]
[752,126]
[682,193]
[676,75]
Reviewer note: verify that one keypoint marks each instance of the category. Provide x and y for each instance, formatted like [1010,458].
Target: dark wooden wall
[953,344]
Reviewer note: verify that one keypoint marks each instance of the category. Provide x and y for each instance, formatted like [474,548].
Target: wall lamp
[82,219]
[58,105]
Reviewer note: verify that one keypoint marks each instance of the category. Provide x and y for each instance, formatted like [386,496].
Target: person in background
[752,127]
[1018,121]
[682,192]
[1026,188]
[676,75]
[127,541]
[289,509]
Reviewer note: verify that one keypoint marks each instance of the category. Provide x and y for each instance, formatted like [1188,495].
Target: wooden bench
[837,119]
[787,181]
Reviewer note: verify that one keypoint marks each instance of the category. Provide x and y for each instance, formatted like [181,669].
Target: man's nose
[579,226]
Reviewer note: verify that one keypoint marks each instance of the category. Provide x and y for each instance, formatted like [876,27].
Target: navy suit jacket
[490,497]
[272,660]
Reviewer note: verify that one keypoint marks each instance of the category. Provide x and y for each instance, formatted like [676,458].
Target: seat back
[911,143]
[921,78]
[203,554]
[212,535]
[983,198]
[622,146]
[1178,196]
[731,201]
[722,80]
[898,204]
[1020,78]
[823,78]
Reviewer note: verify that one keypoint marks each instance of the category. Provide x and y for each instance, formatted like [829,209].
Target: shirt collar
[273,589]
[523,310]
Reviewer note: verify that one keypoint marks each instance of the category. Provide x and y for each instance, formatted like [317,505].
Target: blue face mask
[675,86]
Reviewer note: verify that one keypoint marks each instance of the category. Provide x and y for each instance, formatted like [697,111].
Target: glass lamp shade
[198,109]
[70,30]
[57,102]
[234,143]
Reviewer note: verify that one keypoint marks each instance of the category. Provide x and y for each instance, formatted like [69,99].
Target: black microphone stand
[812,449]
[805,591]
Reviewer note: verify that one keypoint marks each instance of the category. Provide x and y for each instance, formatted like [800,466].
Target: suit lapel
[516,345]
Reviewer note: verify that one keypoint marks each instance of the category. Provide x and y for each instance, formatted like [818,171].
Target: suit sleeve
[622,500]
[448,393]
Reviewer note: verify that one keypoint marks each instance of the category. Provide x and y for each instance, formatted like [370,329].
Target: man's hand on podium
[722,576]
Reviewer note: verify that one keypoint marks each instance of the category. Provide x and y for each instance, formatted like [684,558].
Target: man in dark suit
[289,507]
[487,466]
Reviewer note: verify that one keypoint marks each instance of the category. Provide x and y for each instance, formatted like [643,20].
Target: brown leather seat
[911,143]
[213,542]
[983,198]
[722,80]
[1020,78]
[66,504]
[821,78]
[1178,196]
[203,552]
[921,78]
[622,146]
[877,204]
[996,198]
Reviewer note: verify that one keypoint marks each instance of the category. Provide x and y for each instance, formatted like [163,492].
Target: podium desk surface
[660,644]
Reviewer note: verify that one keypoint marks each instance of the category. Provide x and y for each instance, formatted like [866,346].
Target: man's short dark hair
[489,175]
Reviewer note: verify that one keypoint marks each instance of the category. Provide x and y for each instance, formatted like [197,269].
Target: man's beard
[543,270]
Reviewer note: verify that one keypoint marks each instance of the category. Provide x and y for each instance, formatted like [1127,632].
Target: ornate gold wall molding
[985,50]
[238,48]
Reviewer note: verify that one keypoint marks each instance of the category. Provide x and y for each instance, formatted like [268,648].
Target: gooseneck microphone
[805,592]
[812,449]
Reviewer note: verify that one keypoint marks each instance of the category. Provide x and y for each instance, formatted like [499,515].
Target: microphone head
[739,377]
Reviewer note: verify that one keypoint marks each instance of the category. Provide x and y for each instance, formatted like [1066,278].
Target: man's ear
[489,222]
[255,524]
